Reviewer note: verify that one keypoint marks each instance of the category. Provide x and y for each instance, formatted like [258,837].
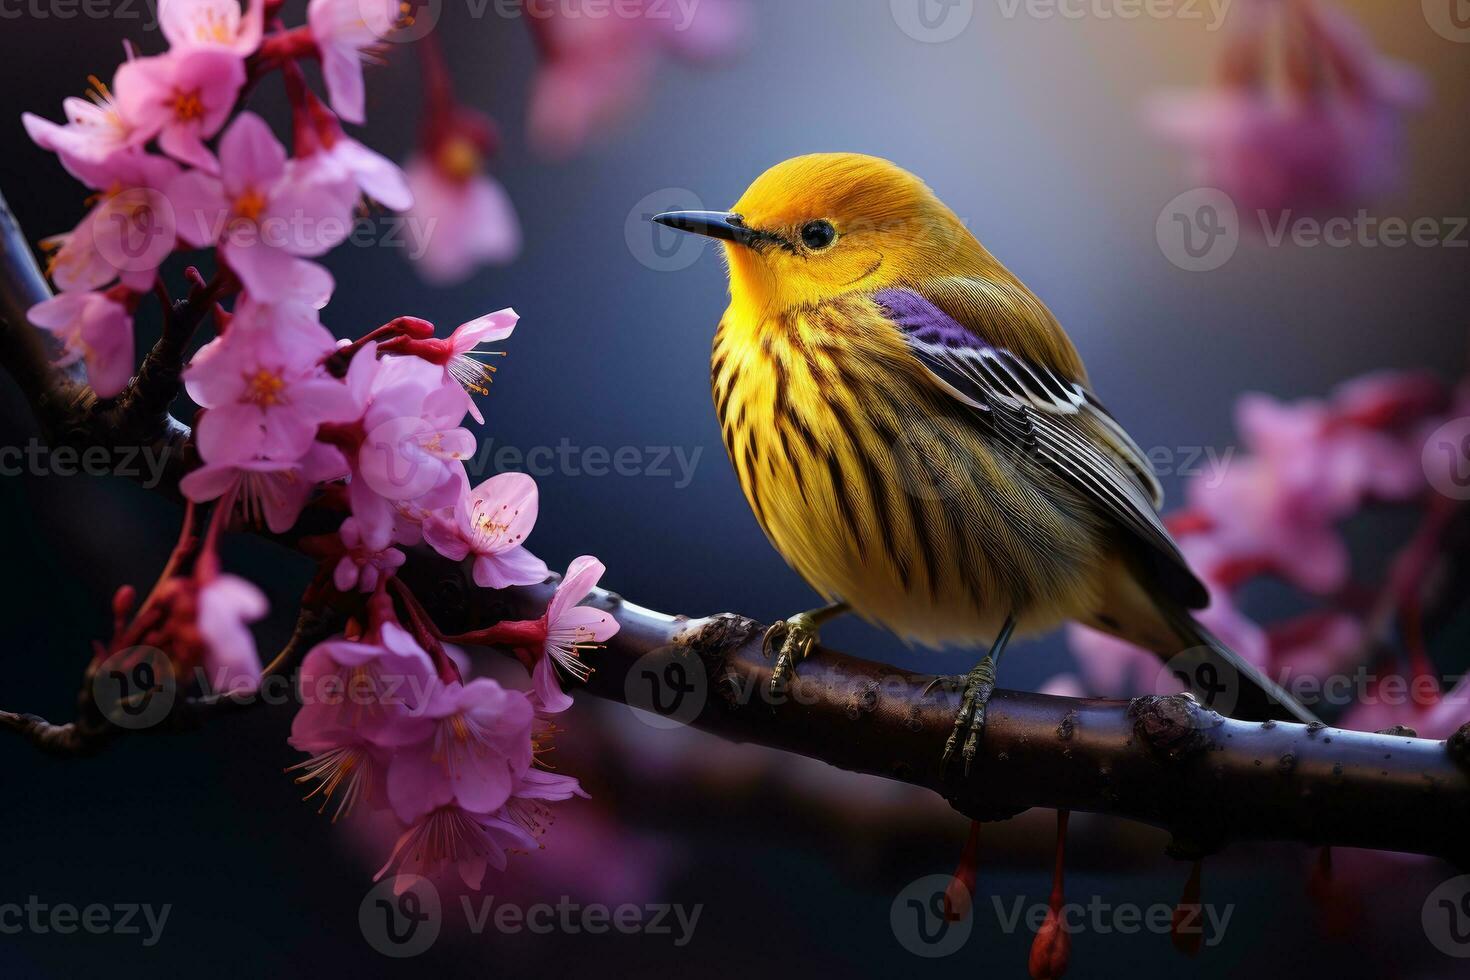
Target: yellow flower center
[188,107]
[264,387]
[250,205]
[459,159]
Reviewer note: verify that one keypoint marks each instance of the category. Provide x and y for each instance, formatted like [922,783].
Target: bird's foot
[792,640]
[970,721]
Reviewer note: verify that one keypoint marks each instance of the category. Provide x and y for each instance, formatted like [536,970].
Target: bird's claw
[970,721]
[792,640]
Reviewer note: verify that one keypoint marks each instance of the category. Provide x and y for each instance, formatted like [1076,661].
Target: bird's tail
[1224,680]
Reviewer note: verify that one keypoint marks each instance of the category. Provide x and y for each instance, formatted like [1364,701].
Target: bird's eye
[817,235]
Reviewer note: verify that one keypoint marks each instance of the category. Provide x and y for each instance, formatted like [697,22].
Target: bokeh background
[1031,129]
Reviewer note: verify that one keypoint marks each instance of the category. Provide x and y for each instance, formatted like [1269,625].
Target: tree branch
[1168,762]
[1163,761]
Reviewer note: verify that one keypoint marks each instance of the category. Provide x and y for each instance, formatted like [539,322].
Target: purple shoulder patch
[924,322]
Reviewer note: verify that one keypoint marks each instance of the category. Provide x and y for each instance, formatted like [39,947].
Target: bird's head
[819,226]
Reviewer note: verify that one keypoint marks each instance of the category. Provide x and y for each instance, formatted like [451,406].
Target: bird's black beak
[712,224]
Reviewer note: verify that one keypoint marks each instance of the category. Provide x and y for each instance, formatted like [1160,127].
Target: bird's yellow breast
[876,488]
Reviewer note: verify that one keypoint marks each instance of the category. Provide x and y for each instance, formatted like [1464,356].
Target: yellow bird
[918,437]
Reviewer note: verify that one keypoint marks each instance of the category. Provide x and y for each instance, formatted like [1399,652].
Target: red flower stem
[1057,894]
[1184,927]
[425,631]
[438,87]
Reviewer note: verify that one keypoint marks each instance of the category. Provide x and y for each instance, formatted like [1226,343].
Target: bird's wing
[1054,419]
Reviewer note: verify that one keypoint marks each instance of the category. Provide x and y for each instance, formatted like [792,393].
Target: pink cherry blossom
[212,24]
[360,568]
[227,605]
[95,129]
[597,69]
[374,689]
[467,218]
[345,32]
[129,233]
[458,352]
[320,143]
[297,306]
[452,837]
[265,391]
[95,328]
[1114,668]
[1319,645]
[479,748]
[344,767]
[1328,133]
[259,210]
[491,522]
[413,446]
[182,97]
[268,491]
[379,178]
[570,629]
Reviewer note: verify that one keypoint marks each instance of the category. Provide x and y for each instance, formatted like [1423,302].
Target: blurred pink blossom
[1317,645]
[128,234]
[360,568]
[1327,132]
[478,749]
[467,218]
[346,32]
[335,157]
[95,328]
[596,69]
[95,128]
[375,688]
[297,305]
[452,837]
[212,24]
[227,605]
